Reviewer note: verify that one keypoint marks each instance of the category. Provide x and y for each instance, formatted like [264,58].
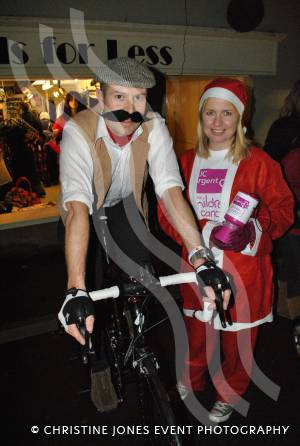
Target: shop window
[28,142]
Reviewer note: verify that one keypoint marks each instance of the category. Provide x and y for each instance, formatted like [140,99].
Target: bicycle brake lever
[228,316]
[220,310]
[86,348]
[219,306]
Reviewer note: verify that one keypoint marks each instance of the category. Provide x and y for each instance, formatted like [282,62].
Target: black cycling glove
[77,306]
[209,274]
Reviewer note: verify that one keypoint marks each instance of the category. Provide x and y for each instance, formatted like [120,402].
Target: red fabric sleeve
[58,125]
[54,146]
[57,128]
[276,214]
[276,209]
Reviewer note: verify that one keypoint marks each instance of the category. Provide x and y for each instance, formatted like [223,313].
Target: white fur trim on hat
[223,93]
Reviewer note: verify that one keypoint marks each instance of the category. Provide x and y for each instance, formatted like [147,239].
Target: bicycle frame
[130,348]
[137,354]
[153,398]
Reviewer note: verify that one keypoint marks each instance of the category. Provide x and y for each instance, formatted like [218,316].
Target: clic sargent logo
[211,181]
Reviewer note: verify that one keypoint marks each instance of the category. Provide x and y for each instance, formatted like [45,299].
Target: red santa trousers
[206,346]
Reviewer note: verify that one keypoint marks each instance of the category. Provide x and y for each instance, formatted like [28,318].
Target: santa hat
[231,90]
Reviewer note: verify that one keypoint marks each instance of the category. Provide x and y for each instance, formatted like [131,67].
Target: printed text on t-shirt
[208,192]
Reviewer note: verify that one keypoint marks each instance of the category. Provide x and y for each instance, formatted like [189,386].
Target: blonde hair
[240,145]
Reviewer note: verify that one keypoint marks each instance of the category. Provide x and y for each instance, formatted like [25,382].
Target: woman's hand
[238,239]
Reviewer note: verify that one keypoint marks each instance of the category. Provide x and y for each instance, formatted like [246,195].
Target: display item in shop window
[73,104]
[21,196]
[24,138]
[50,157]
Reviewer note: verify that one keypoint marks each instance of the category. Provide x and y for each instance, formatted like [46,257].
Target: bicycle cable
[133,341]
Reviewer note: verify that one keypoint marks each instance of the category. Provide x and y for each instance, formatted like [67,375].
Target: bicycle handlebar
[114,291]
[164,281]
[106,293]
[176,279]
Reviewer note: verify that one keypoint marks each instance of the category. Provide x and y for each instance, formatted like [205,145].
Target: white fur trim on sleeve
[206,233]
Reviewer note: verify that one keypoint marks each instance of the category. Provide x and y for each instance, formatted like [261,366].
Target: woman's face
[219,122]
[73,104]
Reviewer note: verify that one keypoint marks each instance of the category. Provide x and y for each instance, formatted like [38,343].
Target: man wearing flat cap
[104,162]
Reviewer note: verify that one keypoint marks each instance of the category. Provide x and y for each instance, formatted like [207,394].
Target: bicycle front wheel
[156,405]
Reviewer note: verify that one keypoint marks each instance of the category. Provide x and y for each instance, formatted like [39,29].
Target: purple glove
[238,238]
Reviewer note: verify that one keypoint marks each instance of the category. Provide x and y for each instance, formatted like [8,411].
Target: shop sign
[40,47]
[67,53]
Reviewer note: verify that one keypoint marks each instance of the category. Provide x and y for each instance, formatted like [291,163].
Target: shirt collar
[102,132]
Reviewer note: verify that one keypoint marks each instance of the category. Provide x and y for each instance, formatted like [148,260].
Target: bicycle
[126,348]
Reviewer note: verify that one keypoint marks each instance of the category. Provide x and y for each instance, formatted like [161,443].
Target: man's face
[116,97]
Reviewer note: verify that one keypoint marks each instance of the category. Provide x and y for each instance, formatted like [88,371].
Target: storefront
[41,60]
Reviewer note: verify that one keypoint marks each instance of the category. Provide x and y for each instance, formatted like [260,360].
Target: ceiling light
[47,86]
[38,82]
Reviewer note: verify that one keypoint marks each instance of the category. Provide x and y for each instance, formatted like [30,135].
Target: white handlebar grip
[206,314]
[106,293]
[176,279]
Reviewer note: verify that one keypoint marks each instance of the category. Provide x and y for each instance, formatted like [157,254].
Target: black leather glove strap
[77,307]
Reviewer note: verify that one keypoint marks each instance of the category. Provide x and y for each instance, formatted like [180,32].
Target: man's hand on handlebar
[77,307]
[213,281]
[217,288]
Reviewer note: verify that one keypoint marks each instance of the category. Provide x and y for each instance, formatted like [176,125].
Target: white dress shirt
[76,165]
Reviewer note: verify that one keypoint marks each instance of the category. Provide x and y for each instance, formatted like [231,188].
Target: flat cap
[126,72]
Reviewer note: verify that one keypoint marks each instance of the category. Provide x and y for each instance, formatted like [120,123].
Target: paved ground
[43,385]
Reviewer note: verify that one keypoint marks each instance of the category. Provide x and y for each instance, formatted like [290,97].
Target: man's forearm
[182,217]
[76,244]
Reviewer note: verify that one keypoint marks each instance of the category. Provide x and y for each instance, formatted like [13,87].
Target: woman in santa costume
[223,164]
